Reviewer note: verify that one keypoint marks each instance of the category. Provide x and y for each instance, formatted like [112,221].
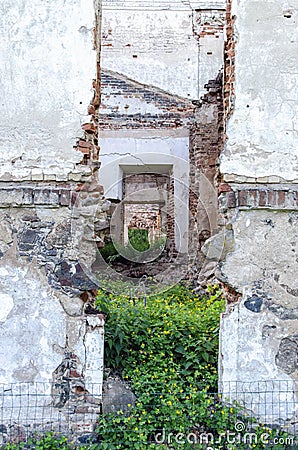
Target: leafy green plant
[138,239]
[49,441]
[168,351]
[138,249]
[177,328]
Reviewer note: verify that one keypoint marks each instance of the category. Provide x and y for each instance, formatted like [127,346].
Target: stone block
[27,196]
[49,177]
[65,197]
[262,179]
[75,176]
[273,179]
[217,247]
[46,197]
[11,197]
[117,396]
[61,177]
[37,176]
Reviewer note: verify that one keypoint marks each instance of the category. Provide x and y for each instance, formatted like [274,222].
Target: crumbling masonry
[50,202]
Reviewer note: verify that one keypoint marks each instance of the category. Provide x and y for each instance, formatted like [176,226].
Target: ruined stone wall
[158,59]
[258,249]
[50,199]
[143,129]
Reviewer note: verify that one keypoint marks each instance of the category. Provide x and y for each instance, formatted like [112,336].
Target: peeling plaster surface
[210,59]
[47,65]
[258,334]
[34,328]
[43,326]
[251,343]
[263,130]
[156,44]
[263,267]
[154,47]
[6,302]
[265,250]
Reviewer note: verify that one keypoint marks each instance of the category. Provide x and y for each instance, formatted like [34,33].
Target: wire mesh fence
[29,410]
[32,409]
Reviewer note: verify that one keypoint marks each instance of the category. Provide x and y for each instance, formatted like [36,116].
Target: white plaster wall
[210,59]
[47,64]
[264,264]
[148,151]
[262,132]
[154,47]
[32,333]
[155,43]
[250,375]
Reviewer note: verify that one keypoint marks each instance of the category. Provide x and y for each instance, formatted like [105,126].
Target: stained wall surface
[259,209]
[262,132]
[157,43]
[47,65]
[49,202]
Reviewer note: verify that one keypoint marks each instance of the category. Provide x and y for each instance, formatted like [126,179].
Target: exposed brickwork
[206,144]
[171,215]
[209,23]
[164,184]
[50,195]
[281,197]
[88,144]
[171,111]
[229,75]
[149,180]
[207,137]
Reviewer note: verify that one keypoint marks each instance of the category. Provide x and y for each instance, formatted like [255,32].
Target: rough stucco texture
[47,65]
[172,45]
[143,45]
[41,282]
[262,132]
[259,334]
[33,334]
